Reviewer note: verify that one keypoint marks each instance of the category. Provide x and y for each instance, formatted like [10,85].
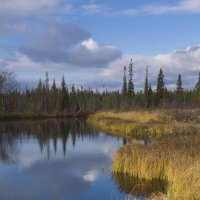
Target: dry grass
[175,160]
[147,124]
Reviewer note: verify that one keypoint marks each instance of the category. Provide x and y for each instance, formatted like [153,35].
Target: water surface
[56,159]
[59,159]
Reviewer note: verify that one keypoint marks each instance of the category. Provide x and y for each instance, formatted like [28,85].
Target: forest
[52,98]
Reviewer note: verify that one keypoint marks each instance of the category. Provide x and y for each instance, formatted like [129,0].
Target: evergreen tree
[197,89]
[150,96]
[124,88]
[64,96]
[54,95]
[46,87]
[73,102]
[130,91]
[197,86]
[179,84]
[179,90]
[47,81]
[39,93]
[146,89]
[160,88]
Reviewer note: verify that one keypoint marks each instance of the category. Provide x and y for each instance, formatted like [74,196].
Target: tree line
[53,98]
[161,96]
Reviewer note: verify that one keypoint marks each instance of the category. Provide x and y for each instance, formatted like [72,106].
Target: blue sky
[90,41]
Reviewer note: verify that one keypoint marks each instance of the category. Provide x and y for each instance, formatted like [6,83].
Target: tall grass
[145,124]
[176,161]
[174,158]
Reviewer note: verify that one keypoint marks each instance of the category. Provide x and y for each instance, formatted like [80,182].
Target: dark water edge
[38,115]
[62,159]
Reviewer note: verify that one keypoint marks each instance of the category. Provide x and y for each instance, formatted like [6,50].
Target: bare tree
[8,85]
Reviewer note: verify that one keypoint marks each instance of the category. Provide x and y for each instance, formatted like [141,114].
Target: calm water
[60,159]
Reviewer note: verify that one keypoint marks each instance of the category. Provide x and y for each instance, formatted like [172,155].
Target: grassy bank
[147,124]
[176,161]
[173,157]
[34,115]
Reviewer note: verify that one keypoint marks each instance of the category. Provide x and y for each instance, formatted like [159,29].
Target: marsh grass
[147,124]
[176,161]
[174,157]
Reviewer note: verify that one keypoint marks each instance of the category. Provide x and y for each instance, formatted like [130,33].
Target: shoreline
[33,115]
[173,157]
[147,124]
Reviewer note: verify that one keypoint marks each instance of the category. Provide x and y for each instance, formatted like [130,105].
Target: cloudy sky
[90,41]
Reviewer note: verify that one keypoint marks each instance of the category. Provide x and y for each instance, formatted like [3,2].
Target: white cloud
[185,61]
[69,44]
[90,44]
[91,175]
[93,8]
[182,6]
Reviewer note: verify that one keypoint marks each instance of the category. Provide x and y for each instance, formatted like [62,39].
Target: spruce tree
[197,89]
[150,96]
[179,84]
[63,96]
[39,92]
[130,91]
[124,88]
[160,88]
[47,81]
[179,90]
[197,86]
[46,86]
[146,89]
[73,102]
[54,95]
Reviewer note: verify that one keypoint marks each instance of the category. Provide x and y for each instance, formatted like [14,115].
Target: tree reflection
[139,187]
[46,132]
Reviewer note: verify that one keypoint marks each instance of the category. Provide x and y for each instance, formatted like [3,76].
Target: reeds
[174,157]
[147,124]
[176,161]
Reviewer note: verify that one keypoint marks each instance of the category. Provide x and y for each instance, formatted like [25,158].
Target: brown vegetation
[173,157]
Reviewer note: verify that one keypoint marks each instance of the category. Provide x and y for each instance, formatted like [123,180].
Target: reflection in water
[55,159]
[61,159]
[46,132]
[139,187]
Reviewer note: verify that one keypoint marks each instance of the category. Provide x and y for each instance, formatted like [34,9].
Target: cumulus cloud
[70,44]
[54,42]
[185,61]
[90,54]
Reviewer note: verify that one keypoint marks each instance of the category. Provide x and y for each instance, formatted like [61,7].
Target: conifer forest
[52,98]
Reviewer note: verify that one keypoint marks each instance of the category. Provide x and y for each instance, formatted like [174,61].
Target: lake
[62,159]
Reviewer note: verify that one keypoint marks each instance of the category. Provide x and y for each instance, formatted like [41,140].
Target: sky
[89,42]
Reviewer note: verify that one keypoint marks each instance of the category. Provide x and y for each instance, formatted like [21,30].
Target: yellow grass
[174,157]
[174,160]
[145,124]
